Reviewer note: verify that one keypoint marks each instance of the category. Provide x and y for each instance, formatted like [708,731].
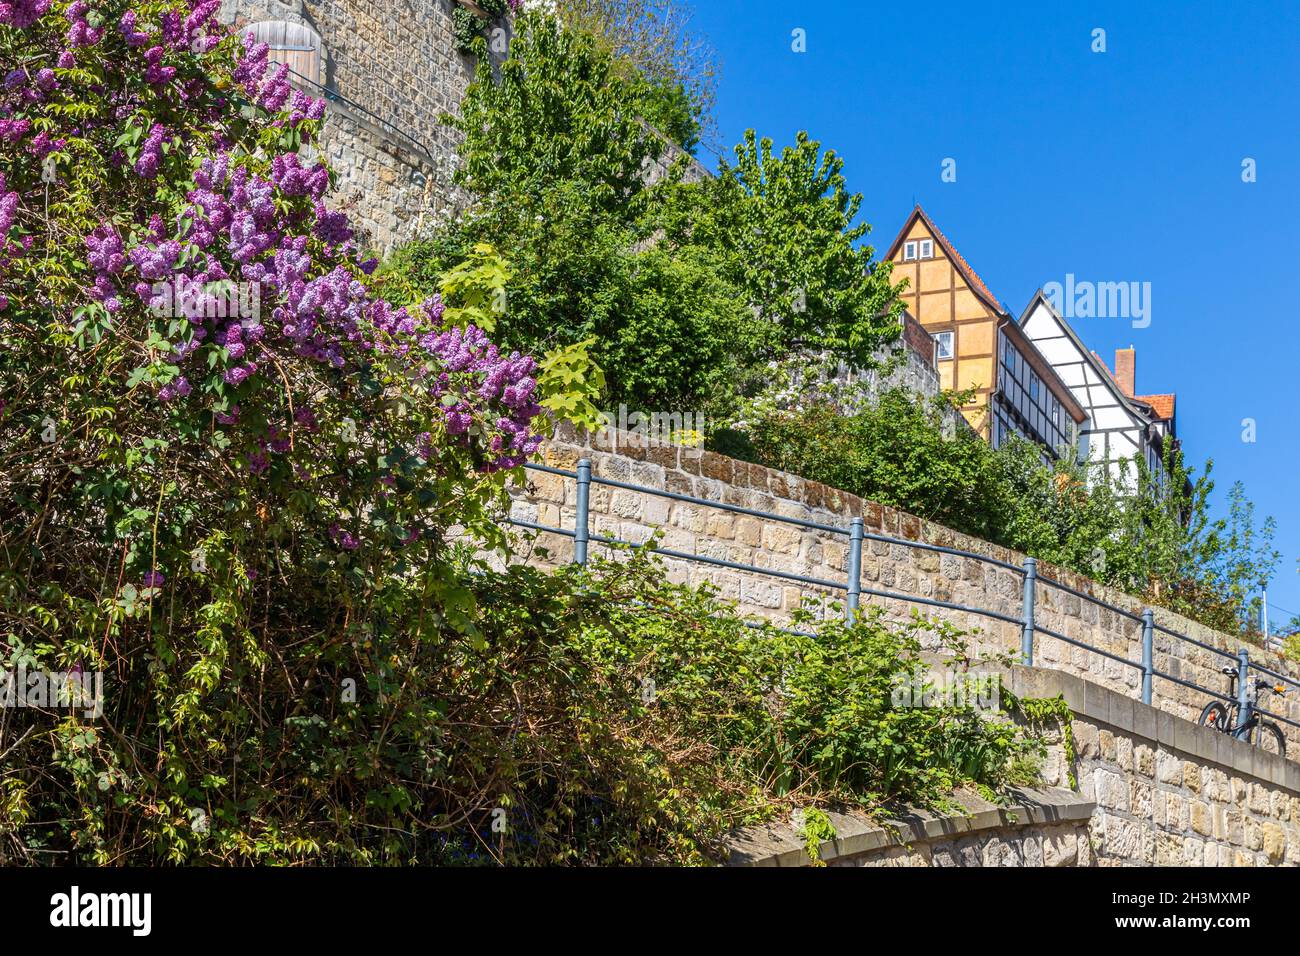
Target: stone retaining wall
[1167,792]
[770,544]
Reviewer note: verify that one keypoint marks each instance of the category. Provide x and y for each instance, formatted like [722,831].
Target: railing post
[1148,653]
[581,533]
[1243,687]
[855,571]
[1027,636]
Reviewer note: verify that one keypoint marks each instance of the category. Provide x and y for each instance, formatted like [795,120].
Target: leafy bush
[1158,542]
[894,451]
[470,30]
[688,290]
[1291,643]
[665,330]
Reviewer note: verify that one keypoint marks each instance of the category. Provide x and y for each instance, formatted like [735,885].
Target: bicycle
[1225,718]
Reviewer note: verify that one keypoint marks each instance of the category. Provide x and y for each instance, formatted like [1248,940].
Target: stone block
[1169,769]
[720,525]
[1274,843]
[1060,848]
[1202,818]
[1112,790]
[781,538]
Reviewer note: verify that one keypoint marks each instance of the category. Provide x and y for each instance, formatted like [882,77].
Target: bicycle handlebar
[1260,683]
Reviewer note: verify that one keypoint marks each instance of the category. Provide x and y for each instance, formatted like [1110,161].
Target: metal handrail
[334,96]
[1200,644]
[852,585]
[710,503]
[1090,598]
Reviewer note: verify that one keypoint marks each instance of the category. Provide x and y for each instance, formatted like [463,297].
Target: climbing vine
[1040,713]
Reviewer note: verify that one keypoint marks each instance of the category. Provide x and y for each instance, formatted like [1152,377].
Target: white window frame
[909,251]
[951,338]
[927,249]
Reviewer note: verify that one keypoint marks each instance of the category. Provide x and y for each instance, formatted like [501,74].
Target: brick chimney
[1126,369]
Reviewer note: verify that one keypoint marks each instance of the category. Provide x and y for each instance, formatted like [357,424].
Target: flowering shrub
[223,452]
[198,147]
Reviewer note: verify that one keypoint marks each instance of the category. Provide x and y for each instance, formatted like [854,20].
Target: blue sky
[1117,166]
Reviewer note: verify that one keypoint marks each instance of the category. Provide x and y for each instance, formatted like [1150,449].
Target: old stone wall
[391,69]
[395,59]
[1167,792]
[770,544]
[391,192]
[1035,828]
[913,367]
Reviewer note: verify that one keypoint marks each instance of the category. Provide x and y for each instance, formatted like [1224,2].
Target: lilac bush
[237,223]
[228,460]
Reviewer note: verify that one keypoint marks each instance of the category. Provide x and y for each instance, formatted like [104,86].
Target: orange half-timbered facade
[979,346]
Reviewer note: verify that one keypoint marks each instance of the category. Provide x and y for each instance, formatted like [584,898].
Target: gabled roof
[1051,378]
[1098,365]
[1004,319]
[972,278]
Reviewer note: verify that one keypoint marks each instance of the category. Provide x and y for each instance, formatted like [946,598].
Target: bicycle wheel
[1268,738]
[1215,716]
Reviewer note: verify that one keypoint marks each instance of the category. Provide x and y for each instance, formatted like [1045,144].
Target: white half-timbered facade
[1120,426]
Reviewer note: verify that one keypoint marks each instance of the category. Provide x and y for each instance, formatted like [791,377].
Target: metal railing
[390,128]
[1028,620]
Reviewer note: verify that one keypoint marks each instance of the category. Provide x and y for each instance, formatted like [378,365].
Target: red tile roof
[1163,405]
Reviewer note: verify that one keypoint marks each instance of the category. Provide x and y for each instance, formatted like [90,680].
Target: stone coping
[1103,706]
[776,844]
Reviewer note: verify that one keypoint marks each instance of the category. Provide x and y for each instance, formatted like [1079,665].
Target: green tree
[654,42]
[555,153]
[558,113]
[783,228]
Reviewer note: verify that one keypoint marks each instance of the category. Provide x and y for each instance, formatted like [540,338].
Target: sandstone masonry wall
[397,62]
[698,530]
[1167,792]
